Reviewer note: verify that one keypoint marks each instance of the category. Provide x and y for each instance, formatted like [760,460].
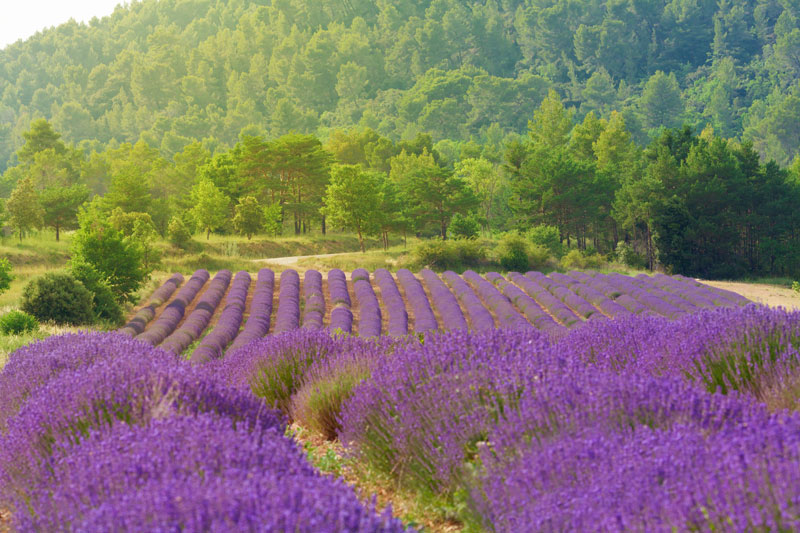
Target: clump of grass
[17,322]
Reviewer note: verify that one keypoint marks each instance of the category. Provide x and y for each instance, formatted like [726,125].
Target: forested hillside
[174,71]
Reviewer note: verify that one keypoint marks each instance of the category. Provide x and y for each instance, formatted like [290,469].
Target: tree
[39,138]
[353,199]
[210,206]
[61,205]
[273,219]
[24,211]
[249,217]
[116,258]
[5,274]
[661,102]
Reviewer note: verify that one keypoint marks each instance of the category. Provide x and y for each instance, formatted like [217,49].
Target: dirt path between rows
[292,261]
[771,295]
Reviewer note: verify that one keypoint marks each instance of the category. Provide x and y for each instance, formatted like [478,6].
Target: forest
[672,127]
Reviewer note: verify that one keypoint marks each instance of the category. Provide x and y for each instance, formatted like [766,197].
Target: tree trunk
[444,230]
[208,235]
[361,241]
[57,233]
[323,225]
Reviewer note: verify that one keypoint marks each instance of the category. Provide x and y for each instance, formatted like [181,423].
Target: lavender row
[640,295]
[137,324]
[528,306]
[658,292]
[424,319]
[611,292]
[507,316]
[480,318]
[447,304]
[314,300]
[369,324]
[695,295]
[213,345]
[395,305]
[549,303]
[172,315]
[727,296]
[605,304]
[288,315]
[341,315]
[258,320]
[198,319]
[580,306]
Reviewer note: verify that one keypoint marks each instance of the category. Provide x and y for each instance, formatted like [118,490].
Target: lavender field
[520,402]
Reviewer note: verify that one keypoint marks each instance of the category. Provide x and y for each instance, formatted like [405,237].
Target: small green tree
[273,219]
[179,235]
[24,211]
[104,304]
[248,218]
[210,206]
[5,274]
[353,200]
[464,227]
[118,260]
[60,206]
[58,297]
[547,236]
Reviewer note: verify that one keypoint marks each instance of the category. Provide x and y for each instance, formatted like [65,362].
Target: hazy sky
[19,19]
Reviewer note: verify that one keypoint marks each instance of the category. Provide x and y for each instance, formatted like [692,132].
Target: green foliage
[577,259]
[60,298]
[464,227]
[6,277]
[210,206]
[248,218]
[104,304]
[626,255]
[515,253]
[60,206]
[452,254]
[796,286]
[273,220]
[547,236]
[353,200]
[24,211]
[117,259]
[178,234]
[18,322]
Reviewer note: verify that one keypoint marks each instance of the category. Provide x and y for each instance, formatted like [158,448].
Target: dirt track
[771,295]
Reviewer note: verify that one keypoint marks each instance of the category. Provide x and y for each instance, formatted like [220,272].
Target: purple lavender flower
[447,304]
[507,316]
[341,315]
[424,319]
[479,316]
[288,315]
[213,345]
[258,320]
[314,300]
[395,305]
[369,324]
[173,313]
[137,324]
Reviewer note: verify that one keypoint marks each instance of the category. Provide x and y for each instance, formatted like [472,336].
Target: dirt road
[292,260]
[771,295]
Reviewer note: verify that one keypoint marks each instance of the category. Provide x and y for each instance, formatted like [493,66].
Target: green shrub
[547,236]
[178,234]
[462,227]
[626,255]
[516,253]
[17,322]
[5,274]
[443,255]
[577,259]
[796,286]
[104,305]
[60,298]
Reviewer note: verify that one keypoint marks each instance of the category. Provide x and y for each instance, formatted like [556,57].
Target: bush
[60,298]
[104,305]
[576,259]
[796,286]
[16,322]
[515,253]
[462,227]
[5,274]
[547,236]
[626,255]
[178,234]
[443,255]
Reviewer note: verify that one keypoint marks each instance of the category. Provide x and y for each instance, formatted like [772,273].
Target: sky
[19,19]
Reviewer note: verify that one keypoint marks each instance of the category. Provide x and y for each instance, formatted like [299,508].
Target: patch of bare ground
[326,315]
[760,293]
[381,305]
[355,308]
[5,520]
[330,458]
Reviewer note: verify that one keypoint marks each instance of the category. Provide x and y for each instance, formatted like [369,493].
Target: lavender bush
[197,321]
[528,306]
[137,324]
[479,316]
[369,324]
[447,304]
[543,297]
[201,473]
[173,313]
[314,300]
[424,319]
[393,300]
[507,316]
[258,320]
[213,345]
[341,315]
[288,315]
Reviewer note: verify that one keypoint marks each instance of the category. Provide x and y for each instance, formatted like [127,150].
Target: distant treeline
[176,72]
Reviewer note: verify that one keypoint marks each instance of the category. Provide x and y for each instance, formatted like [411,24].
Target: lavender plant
[258,320]
[137,324]
[424,319]
[369,324]
[213,345]
[507,316]
[173,313]
[288,315]
[314,300]
[395,305]
[447,304]
[479,316]
[341,314]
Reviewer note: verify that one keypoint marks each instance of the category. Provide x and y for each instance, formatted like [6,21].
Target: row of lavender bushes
[137,324]
[100,432]
[642,422]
